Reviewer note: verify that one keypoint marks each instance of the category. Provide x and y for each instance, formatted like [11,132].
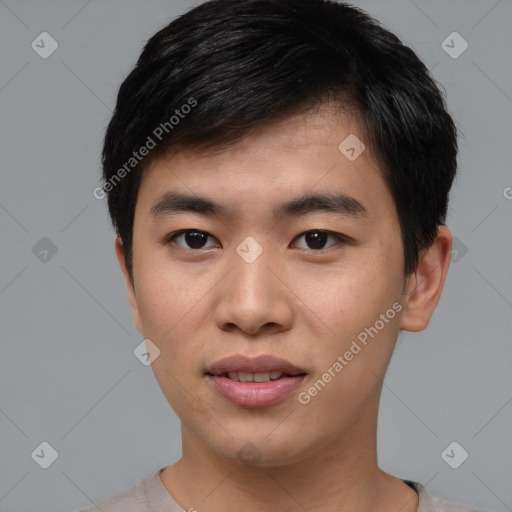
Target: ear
[424,287]
[130,288]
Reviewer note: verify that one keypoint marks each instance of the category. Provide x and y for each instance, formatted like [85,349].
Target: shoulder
[132,500]
[430,503]
[149,495]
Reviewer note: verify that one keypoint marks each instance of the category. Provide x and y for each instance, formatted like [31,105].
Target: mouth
[257,376]
[254,382]
[259,367]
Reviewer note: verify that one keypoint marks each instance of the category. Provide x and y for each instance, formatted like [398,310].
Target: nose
[254,298]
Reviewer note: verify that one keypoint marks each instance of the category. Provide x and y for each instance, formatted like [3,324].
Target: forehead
[301,154]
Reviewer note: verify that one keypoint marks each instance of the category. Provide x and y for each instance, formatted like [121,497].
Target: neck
[341,475]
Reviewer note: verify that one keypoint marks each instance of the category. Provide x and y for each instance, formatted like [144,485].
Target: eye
[317,239]
[191,239]
[195,240]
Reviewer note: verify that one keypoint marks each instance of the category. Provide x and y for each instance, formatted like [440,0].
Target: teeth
[254,377]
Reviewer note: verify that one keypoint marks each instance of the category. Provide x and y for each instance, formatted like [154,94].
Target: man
[278,175]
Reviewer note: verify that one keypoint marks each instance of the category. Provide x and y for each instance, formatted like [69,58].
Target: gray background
[68,374]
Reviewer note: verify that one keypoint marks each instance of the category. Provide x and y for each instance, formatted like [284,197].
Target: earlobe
[130,288]
[424,287]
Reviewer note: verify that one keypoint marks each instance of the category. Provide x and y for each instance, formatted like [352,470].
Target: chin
[263,452]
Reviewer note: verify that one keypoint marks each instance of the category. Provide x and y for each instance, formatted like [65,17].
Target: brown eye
[191,239]
[317,239]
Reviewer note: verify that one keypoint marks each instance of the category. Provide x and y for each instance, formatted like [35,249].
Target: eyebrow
[336,202]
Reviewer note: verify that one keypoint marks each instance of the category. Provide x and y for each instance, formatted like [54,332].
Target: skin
[302,304]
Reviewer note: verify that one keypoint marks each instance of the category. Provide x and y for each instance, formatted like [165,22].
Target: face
[256,278]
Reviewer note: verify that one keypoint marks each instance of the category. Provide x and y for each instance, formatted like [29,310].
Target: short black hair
[227,66]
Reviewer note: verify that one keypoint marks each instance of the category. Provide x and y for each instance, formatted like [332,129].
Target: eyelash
[172,238]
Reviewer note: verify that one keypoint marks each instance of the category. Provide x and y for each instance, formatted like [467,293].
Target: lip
[254,394]
[262,363]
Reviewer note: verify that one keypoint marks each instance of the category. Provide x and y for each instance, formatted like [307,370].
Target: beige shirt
[150,495]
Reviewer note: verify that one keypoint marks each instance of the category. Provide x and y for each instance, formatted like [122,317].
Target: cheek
[166,293]
[172,305]
[346,298]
